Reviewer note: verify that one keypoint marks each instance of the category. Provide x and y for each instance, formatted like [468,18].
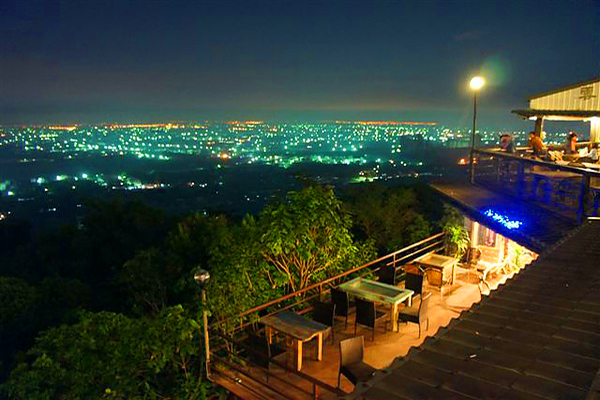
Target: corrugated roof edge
[562,89]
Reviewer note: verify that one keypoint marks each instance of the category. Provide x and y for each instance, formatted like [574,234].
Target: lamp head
[476,83]
[201,277]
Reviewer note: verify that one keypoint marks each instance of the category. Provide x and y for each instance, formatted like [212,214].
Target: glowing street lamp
[202,277]
[476,83]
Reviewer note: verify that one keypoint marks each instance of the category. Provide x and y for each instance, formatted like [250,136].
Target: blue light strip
[503,219]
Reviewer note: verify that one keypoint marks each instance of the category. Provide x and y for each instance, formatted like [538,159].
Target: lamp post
[202,277]
[476,83]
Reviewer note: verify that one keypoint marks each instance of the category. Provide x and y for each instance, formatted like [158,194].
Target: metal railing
[226,350]
[569,190]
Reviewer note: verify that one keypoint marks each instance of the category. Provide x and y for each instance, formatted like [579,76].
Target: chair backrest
[414,282]
[351,350]
[387,274]
[424,306]
[341,301]
[324,312]
[365,312]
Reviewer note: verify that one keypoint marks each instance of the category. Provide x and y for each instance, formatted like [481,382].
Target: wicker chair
[367,315]
[352,365]
[325,314]
[417,314]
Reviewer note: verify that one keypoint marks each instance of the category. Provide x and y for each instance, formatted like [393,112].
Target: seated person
[506,143]
[571,145]
[589,154]
[537,144]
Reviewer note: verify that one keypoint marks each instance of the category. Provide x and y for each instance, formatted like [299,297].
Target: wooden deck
[380,353]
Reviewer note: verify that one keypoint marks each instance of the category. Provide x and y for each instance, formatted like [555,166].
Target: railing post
[583,194]
[498,162]
[520,180]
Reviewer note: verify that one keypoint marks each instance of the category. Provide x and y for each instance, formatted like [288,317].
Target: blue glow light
[503,219]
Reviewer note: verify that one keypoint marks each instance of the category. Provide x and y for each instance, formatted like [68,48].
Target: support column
[595,130]
[539,126]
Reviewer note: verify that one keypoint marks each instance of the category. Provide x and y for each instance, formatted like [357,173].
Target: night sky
[143,61]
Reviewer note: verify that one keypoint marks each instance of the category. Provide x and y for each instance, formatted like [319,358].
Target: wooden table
[299,328]
[380,293]
[440,263]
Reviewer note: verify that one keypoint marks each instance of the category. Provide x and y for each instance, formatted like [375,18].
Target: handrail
[531,161]
[328,280]
[579,192]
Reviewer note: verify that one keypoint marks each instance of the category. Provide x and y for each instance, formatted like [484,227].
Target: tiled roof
[536,337]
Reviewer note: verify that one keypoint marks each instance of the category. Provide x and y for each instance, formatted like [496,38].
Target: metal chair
[342,303]
[325,314]
[352,365]
[367,315]
[417,314]
[387,274]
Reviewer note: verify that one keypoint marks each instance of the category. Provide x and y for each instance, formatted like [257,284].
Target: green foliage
[17,304]
[107,355]
[291,245]
[456,238]
[240,278]
[308,237]
[161,276]
[389,216]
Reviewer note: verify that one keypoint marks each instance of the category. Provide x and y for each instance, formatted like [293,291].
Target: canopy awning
[558,115]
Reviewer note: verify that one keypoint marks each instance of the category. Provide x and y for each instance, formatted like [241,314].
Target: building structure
[579,102]
[538,335]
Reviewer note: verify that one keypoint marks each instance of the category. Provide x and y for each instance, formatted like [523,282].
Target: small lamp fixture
[202,277]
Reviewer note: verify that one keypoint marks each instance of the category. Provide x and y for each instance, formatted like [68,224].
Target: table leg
[320,346]
[268,334]
[453,272]
[298,354]
[394,317]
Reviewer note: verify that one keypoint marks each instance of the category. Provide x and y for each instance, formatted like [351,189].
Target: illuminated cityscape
[227,166]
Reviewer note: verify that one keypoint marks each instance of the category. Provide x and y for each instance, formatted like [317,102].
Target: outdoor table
[299,328]
[380,293]
[440,263]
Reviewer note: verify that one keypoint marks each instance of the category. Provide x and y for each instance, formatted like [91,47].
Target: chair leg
[428,324]
[419,329]
[346,322]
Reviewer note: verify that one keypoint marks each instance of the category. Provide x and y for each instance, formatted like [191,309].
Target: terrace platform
[380,353]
